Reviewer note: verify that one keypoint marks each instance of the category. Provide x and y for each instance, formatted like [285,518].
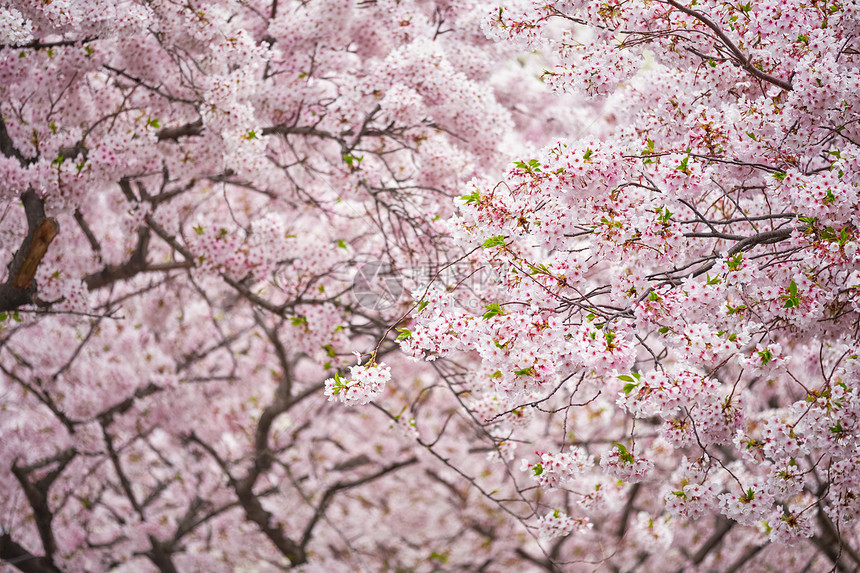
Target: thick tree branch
[188,130]
[37,496]
[764,238]
[41,45]
[16,555]
[341,486]
[20,288]
[7,146]
[254,510]
[136,264]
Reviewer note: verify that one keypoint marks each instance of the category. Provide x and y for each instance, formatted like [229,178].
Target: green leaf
[792,300]
[630,387]
[422,305]
[539,269]
[588,153]
[625,455]
[497,241]
[198,229]
[537,469]
[341,243]
[626,378]
[440,557]
[735,309]
[735,262]
[474,197]
[492,310]
[404,333]
[352,161]
[533,166]
[663,329]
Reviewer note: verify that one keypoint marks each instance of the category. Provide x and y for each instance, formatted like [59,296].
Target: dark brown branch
[254,510]
[7,146]
[542,563]
[88,233]
[37,495]
[188,130]
[764,238]
[628,508]
[168,238]
[283,129]
[40,45]
[743,559]
[160,556]
[830,542]
[340,486]
[136,264]
[743,60]
[117,466]
[723,526]
[16,555]
[20,288]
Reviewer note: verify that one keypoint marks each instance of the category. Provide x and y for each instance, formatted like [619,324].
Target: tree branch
[37,496]
[20,288]
[743,60]
[16,555]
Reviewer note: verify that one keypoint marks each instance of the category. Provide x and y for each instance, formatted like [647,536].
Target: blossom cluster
[365,383]
[554,470]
